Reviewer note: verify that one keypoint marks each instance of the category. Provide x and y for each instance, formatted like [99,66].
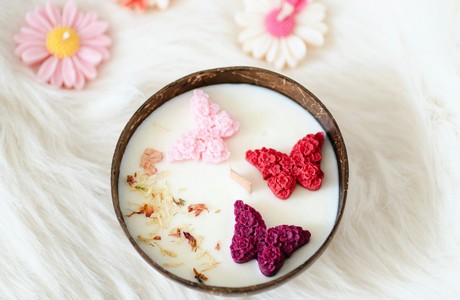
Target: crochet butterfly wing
[282,171]
[252,240]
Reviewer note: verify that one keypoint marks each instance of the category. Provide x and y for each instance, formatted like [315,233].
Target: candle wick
[286,10]
[66,35]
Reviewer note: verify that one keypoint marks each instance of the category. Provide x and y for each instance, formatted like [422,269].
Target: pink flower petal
[53,14]
[68,72]
[34,55]
[47,69]
[26,30]
[78,20]
[89,55]
[69,13]
[80,81]
[99,41]
[94,29]
[57,80]
[21,48]
[88,70]
[87,19]
[103,51]
[26,38]
[37,22]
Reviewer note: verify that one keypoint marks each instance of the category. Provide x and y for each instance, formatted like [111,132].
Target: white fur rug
[389,73]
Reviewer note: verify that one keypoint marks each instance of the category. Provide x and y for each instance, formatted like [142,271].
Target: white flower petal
[310,35]
[296,46]
[272,51]
[291,59]
[248,46]
[320,26]
[280,59]
[250,33]
[261,46]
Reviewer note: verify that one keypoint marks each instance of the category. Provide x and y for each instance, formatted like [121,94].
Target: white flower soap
[182,216]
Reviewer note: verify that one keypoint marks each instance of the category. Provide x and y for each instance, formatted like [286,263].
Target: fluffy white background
[389,73]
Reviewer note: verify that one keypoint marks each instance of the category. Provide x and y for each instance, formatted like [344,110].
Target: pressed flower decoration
[142,5]
[66,45]
[279,30]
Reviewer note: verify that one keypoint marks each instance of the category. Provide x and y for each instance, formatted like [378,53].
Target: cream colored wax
[267,119]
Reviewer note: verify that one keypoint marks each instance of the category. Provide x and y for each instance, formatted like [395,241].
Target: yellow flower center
[62,41]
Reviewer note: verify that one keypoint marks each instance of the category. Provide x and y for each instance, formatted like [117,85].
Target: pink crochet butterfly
[252,240]
[283,171]
[206,140]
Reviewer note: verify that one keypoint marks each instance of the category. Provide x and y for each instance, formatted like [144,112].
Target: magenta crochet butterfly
[283,171]
[206,140]
[252,240]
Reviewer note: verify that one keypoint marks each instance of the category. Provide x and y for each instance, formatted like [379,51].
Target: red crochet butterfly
[252,240]
[283,171]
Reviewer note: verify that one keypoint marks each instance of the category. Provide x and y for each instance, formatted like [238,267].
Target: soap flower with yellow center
[281,31]
[66,45]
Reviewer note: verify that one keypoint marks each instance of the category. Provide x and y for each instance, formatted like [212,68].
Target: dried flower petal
[179,201]
[130,180]
[191,240]
[157,238]
[148,160]
[145,209]
[197,208]
[176,233]
[199,276]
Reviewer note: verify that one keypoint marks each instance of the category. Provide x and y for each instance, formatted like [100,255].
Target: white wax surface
[267,119]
